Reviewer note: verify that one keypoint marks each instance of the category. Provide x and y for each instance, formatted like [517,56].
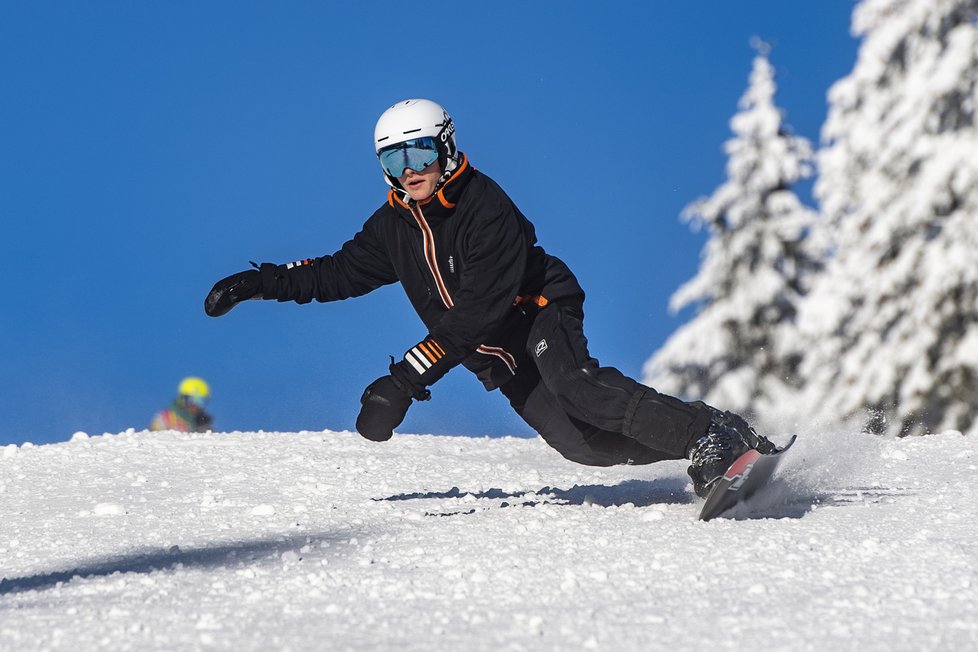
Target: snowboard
[746,476]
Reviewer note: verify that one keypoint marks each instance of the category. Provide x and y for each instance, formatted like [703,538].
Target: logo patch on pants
[540,348]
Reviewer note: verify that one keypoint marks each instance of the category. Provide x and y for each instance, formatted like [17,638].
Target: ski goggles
[199,401]
[415,154]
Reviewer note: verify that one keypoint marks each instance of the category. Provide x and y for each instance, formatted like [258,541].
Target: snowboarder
[495,302]
[187,412]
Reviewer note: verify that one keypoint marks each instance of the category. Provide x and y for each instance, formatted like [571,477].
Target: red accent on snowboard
[742,465]
[748,474]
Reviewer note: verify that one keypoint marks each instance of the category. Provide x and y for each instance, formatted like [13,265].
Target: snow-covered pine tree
[753,267]
[891,327]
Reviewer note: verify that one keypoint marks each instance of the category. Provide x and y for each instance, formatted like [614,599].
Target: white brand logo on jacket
[540,347]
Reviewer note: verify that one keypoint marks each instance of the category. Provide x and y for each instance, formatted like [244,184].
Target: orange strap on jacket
[538,300]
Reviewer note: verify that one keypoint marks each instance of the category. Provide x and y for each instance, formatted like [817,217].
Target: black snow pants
[591,414]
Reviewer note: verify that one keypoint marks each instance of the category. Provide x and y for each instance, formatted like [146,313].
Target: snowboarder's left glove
[385,403]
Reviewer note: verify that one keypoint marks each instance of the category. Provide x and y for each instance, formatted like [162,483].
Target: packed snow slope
[325,541]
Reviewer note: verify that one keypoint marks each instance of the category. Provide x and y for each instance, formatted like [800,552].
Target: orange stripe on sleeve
[437,347]
[428,354]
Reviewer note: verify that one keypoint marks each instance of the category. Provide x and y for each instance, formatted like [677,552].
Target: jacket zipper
[428,244]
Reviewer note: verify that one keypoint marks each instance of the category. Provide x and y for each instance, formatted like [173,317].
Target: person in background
[187,412]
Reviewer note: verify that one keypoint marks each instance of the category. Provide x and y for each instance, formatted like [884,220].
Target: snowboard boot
[728,437]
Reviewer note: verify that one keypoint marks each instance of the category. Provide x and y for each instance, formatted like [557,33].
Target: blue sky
[149,149]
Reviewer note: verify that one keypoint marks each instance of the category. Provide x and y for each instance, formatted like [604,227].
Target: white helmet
[411,119]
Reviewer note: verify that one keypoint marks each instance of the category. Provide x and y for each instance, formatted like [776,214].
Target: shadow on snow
[149,561]
[641,493]
[779,500]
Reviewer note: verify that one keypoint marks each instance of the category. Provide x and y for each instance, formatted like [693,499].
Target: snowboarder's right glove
[385,403]
[230,291]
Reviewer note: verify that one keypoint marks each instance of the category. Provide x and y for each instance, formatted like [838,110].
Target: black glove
[232,290]
[385,403]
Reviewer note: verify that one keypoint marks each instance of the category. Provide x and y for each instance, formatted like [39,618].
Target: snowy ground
[313,541]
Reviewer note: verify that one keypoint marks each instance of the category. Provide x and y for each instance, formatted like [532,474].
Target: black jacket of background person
[468,261]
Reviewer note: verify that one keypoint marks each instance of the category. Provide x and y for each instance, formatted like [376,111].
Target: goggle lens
[199,401]
[415,154]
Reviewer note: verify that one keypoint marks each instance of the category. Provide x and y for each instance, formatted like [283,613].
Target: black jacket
[468,261]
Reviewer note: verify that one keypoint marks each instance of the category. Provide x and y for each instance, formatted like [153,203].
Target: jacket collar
[440,204]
